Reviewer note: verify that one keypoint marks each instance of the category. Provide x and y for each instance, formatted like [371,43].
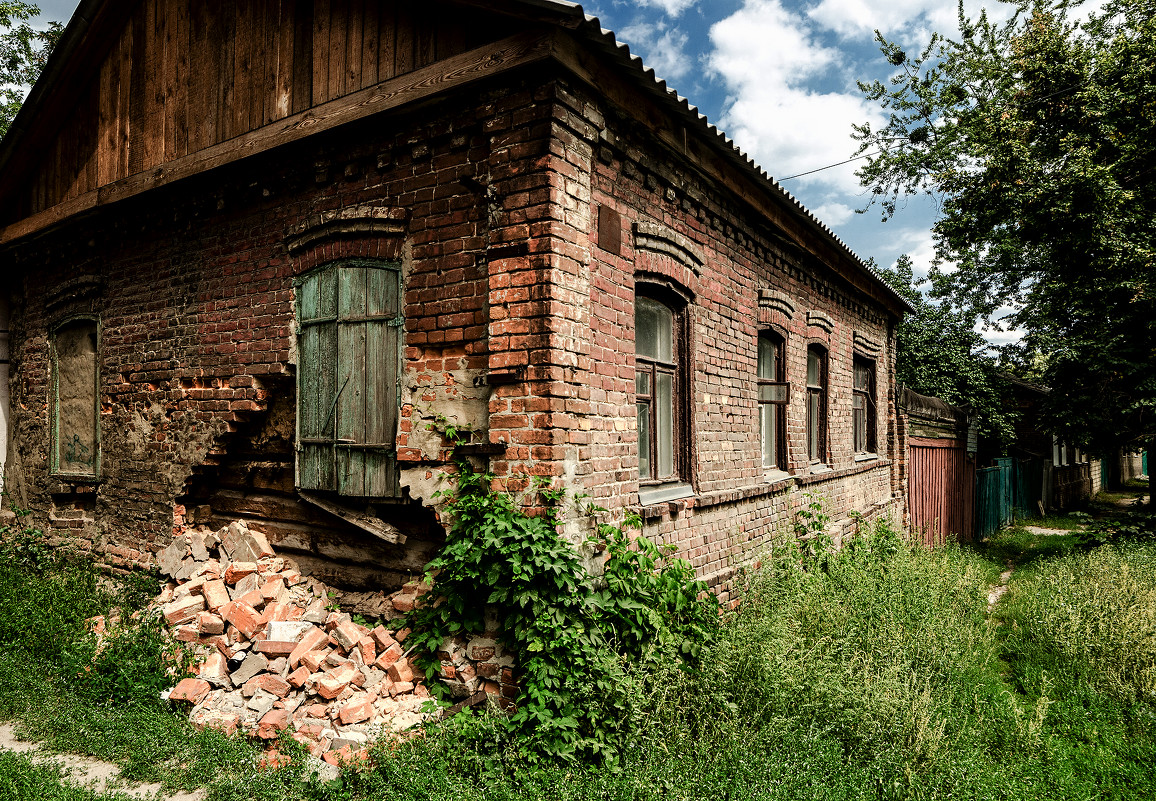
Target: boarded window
[76,434]
[349,351]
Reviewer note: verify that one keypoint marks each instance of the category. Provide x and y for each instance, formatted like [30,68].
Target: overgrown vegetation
[585,644]
[873,672]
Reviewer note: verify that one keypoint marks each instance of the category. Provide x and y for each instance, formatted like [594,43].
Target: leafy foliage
[23,51]
[576,636]
[1037,136]
[939,353]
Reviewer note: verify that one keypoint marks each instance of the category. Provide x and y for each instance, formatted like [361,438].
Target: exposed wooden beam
[374,525]
[452,73]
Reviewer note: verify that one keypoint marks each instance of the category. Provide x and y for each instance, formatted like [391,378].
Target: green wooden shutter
[316,380]
[348,379]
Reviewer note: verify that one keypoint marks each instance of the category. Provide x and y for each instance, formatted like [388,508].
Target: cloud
[662,48]
[834,213]
[1000,337]
[919,245]
[671,7]
[863,17]
[770,60]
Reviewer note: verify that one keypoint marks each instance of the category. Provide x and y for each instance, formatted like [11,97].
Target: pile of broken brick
[274,656]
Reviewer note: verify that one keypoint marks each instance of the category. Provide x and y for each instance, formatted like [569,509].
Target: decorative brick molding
[777,301]
[820,320]
[660,239]
[351,222]
[866,345]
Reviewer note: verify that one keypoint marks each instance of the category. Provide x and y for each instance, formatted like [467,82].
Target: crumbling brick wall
[193,290]
[518,323]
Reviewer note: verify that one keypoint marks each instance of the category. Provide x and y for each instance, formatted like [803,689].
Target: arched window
[774,394]
[657,387]
[817,404]
[863,412]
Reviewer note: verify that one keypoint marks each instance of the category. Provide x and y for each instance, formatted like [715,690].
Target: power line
[829,166]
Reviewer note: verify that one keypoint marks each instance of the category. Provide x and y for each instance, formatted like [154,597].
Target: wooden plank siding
[181,76]
[941,490]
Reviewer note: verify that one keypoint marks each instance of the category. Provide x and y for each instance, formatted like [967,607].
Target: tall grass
[870,673]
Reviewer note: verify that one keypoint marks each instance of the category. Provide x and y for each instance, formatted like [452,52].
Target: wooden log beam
[452,73]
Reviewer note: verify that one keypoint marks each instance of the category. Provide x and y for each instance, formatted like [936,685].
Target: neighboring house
[253,250]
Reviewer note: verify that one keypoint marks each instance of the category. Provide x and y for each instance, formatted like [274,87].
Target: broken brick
[382,637]
[243,616]
[183,610]
[401,671]
[311,640]
[216,594]
[297,677]
[275,648]
[190,690]
[208,623]
[238,570]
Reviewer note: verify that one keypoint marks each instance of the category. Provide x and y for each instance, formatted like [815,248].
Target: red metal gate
[941,490]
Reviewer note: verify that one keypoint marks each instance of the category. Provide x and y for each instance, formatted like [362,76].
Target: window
[349,350]
[863,412]
[75,381]
[816,404]
[656,387]
[774,392]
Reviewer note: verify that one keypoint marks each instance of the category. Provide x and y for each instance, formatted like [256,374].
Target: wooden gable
[171,78]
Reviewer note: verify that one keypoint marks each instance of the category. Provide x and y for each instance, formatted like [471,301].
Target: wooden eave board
[452,73]
[156,81]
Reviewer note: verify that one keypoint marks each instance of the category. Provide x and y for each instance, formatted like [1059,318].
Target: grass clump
[1091,618]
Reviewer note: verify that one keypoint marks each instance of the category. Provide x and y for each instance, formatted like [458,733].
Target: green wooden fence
[994,497]
[1011,488]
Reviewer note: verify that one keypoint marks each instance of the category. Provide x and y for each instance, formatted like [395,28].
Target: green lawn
[872,674]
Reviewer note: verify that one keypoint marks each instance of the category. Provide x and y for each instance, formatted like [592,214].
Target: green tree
[1037,137]
[939,353]
[23,51]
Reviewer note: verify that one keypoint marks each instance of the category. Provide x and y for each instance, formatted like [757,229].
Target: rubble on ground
[275,654]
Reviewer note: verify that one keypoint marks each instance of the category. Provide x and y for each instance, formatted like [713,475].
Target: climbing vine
[574,633]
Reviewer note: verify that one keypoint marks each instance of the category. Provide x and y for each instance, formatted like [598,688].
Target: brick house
[252,250]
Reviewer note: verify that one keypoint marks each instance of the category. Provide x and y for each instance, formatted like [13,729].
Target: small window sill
[661,493]
[866,457]
[775,476]
[816,469]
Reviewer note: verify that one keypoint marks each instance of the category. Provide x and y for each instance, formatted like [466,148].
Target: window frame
[778,379]
[869,411]
[353,461]
[653,487]
[816,429]
[54,467]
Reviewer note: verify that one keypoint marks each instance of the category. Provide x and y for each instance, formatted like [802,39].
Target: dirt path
[999,590]
[98,776]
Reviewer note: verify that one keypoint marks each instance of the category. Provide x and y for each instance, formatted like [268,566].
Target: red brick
[190,691]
